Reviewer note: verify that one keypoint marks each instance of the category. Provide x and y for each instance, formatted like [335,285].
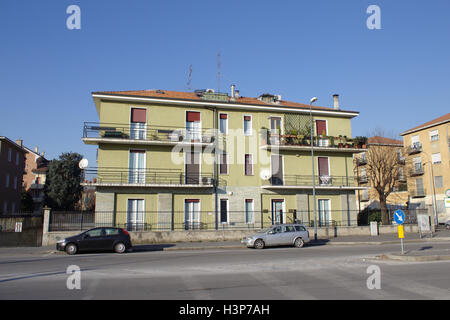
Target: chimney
[336,101]
[19,142]
[233,87]
[236,93]
[42,154]
[36,149]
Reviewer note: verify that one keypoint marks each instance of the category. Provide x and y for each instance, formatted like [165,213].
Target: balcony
[416,147]
[401,178]
[418,193]
[37,186]
[300,142]
[401,160]
[363,179]
[125,177]
[306,182]
[142,134]
[417,171]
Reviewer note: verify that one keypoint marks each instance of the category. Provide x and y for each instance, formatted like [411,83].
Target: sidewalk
[442,235]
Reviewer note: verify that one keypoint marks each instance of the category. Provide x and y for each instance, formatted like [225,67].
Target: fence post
[45,226]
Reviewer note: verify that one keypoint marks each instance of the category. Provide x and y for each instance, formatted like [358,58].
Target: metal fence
[209,220]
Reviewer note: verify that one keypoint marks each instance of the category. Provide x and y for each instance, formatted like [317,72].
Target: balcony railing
[401,160]
[414,148]
[146,177]
[417,171]
[417,193]
[305,141]
[363,179]
[306,180]
[144,132]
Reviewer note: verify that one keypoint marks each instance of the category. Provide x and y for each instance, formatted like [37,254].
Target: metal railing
[206,220]
[318,141]
[126,176]
[307,180]
[414,148]
[145,132]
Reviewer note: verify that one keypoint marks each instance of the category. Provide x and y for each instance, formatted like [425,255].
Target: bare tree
[383,168]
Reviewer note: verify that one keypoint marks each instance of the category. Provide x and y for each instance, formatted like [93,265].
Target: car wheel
[448,227]
[71,248]
[119,247]
[259,244]
[299,243]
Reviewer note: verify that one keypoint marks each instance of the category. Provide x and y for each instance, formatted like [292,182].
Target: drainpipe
[216,164]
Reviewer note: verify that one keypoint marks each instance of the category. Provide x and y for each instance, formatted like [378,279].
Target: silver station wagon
[279,235]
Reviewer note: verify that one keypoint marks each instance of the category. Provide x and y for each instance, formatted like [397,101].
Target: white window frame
[434,133]
[226,123]
[246,133]
[252,211]
[436,158]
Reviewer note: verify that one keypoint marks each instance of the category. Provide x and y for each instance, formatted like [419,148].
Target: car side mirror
[271,232]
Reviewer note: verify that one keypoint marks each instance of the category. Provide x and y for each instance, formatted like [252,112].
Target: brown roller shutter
[193,116]
[138,115]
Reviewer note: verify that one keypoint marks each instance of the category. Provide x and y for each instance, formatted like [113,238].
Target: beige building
[36,167]
[428,152]
[369,198]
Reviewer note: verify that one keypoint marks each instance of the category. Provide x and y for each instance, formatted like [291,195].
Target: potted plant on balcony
[361,142]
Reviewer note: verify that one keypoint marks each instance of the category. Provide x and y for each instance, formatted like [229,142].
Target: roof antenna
[218,71]
[189,78]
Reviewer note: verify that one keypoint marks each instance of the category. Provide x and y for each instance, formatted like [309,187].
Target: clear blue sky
[396,77]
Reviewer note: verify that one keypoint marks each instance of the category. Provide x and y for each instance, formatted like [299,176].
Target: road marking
[288,291]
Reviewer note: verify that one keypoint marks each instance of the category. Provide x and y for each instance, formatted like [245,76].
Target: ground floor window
[277,211]
[249,215]
[191,214]
[223,210]
[324,212]
[136,215]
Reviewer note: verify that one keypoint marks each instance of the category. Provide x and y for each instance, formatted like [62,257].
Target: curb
[204,248]
[396,257]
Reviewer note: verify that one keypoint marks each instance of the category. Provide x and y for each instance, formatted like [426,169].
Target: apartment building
[369,198]
[428,151]
[12,161]
[36,167]
[170,160]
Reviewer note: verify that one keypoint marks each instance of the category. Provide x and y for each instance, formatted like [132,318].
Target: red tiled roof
[194,96]
[445,117]
[383,140]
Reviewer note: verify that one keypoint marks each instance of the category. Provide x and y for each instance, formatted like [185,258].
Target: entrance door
[277,211]
[324,213]
[192,167]
[136,173]
[191,214]
[277,170]
[136,215]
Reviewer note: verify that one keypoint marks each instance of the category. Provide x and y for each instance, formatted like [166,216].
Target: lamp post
[314,99]
[433,194]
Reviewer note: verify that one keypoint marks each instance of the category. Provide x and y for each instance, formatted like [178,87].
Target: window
[419,187]
[436,158]
[289,229]
[136,167]
[138,123]
[223,163]
[95,232]
[111,231]
[191,214]
[7,181]
[5,206]
[15,183]
[439,182]
[417,164]
[223,123]
[248,165]
[247,125]
[136,214]
[193,128]
[9,154]
[324,212]
[300,228]
[365,195]
[17,158]
[249,217]
[223,210]
[13,207]
[434,135]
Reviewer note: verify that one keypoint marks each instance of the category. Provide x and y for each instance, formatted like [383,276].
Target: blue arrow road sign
[399,217]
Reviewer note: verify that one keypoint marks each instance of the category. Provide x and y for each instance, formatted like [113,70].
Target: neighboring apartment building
[187,160]
[428,148]
[12,163]
[36,167]
[369,198]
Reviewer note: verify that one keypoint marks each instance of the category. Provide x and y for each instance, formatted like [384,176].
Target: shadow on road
[150,247]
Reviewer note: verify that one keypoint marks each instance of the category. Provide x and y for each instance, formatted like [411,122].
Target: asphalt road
[314,272]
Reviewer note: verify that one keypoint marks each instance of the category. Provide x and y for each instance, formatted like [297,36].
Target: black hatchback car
[97,239]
